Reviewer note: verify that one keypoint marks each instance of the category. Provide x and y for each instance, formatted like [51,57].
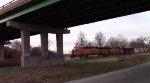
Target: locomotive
[84,51]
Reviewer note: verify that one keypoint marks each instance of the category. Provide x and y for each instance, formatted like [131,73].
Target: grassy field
[70,70]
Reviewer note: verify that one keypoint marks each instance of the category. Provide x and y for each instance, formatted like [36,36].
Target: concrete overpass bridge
[23,18]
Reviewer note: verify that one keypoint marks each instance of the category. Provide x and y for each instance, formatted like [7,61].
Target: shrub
[12,57]
[36,51]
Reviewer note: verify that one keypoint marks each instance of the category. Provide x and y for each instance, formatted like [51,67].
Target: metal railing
[8,3]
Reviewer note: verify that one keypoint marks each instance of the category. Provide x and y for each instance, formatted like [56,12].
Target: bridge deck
[68,13]
[12,5]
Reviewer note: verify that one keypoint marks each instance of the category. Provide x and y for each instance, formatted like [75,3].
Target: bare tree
[91,44]
[100,39]
[81,41]
[122,41]
[50,43]
[142,41]
[119,41]
[133,43]
[16,45]
[139,42]
[148,42]
[112,42]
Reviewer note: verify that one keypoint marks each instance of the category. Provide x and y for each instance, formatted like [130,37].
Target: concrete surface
[137,74]
[38,61]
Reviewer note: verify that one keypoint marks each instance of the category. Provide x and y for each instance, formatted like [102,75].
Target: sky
[130,26]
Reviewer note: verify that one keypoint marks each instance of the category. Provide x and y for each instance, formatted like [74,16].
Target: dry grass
[57,74]
[69,71]
[135,58]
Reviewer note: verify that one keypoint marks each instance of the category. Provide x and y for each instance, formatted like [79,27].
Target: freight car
[127,51]
[115,51]
[85,51]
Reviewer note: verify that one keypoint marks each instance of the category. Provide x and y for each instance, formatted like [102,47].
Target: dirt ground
[31,75]
[20,78]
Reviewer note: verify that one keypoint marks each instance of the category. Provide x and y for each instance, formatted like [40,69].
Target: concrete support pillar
[25,41]
[44,43]
[1,52]
[59,39]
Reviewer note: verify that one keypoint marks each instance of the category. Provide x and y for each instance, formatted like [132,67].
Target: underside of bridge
[30,17]
[65,13]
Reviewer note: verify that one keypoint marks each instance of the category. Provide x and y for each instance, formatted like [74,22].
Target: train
[106,51]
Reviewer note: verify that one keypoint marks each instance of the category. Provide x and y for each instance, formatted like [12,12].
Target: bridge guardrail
[11,5]
[8,3]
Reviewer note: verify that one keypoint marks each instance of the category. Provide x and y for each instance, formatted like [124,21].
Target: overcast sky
[130,26]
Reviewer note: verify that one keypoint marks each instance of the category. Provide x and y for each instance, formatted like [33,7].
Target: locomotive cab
[76,52]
